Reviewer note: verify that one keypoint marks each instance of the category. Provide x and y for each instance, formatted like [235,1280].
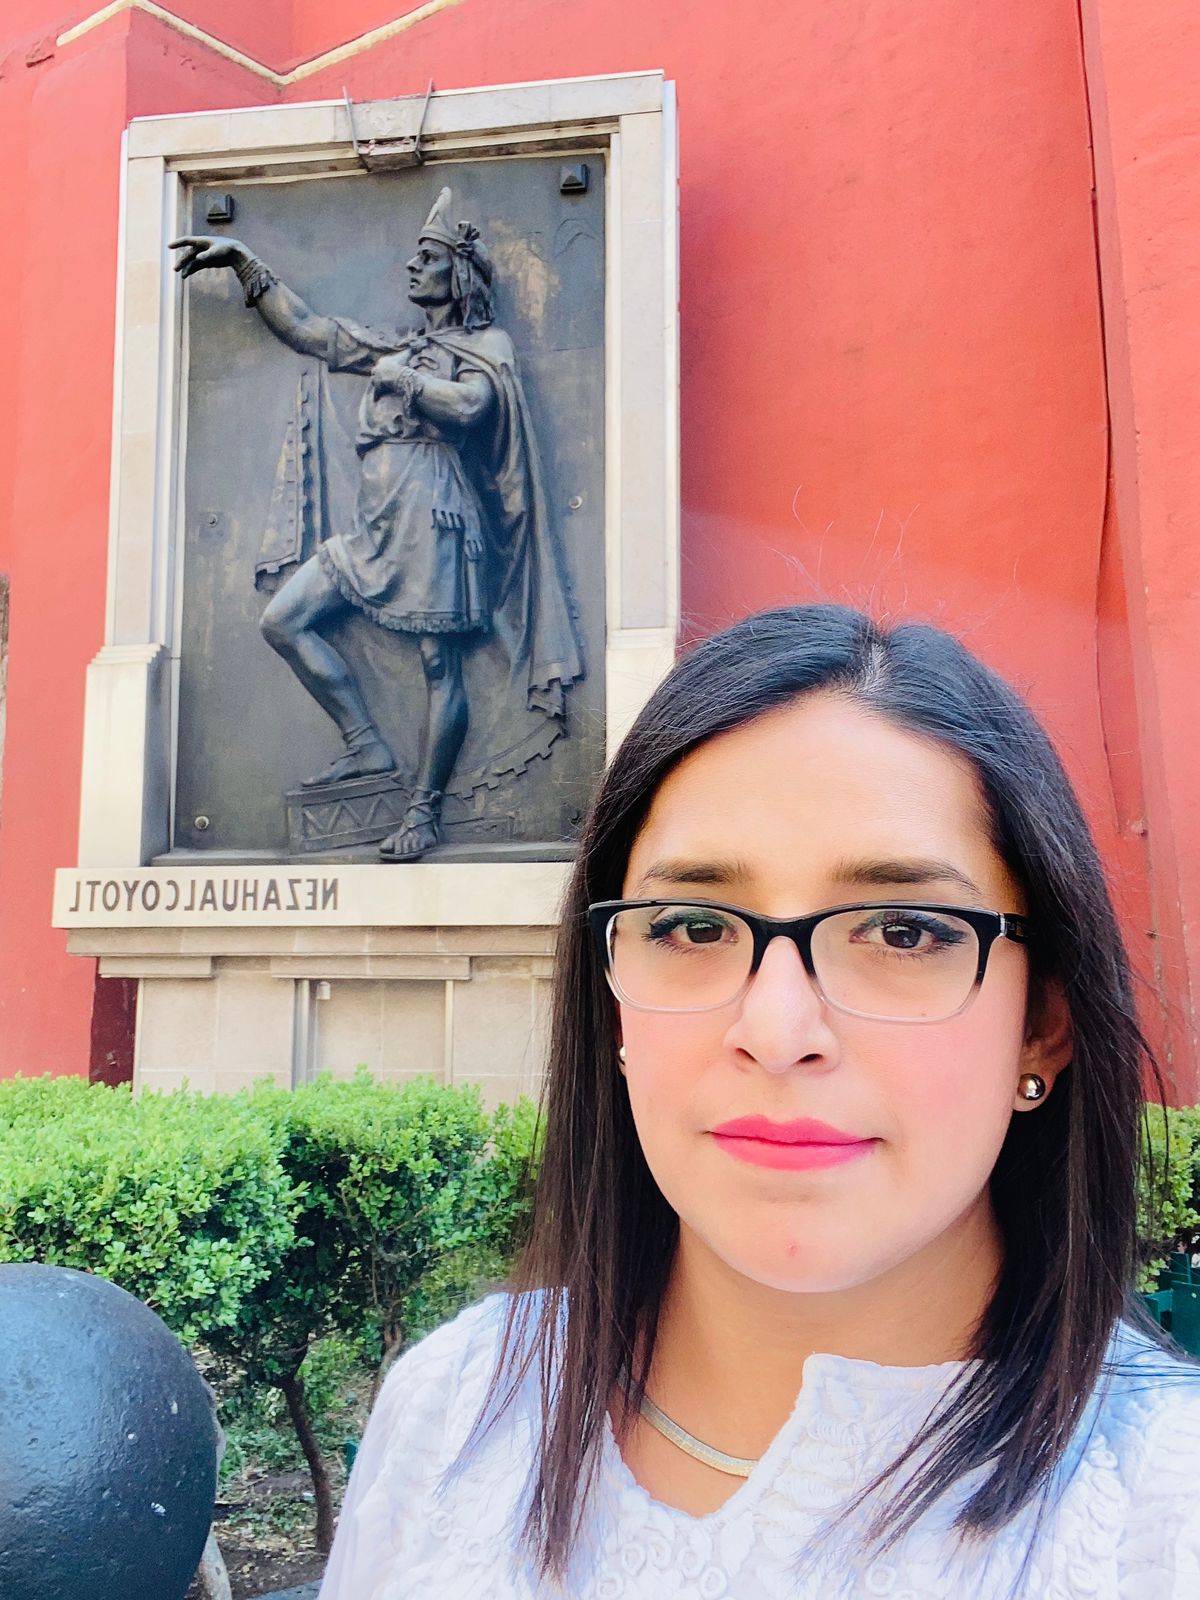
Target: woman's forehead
[822,792]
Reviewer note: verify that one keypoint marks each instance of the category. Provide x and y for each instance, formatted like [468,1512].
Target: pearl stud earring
[1030,1086]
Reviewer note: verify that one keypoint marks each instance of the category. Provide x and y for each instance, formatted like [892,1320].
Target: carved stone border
[132,685]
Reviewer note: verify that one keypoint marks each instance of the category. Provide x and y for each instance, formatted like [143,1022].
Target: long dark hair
[1064,1186]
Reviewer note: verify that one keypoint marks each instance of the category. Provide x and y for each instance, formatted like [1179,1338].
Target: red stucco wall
[1143,65]
[56,395]
[894,376]
[65,115]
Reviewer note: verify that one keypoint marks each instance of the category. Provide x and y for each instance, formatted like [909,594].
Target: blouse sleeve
[1159,1558]
[404,1445]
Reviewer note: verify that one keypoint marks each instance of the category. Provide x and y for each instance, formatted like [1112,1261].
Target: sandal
[419,832]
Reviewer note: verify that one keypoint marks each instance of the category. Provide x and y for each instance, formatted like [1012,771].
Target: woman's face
[820,804]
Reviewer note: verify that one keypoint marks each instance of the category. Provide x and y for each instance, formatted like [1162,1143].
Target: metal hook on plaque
[387,155]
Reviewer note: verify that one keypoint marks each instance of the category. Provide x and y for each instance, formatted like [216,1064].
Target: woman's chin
[797,1268]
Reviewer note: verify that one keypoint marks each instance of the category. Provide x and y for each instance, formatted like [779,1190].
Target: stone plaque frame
[131,705]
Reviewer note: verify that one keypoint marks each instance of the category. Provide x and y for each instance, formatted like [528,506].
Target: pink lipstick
[800,1145]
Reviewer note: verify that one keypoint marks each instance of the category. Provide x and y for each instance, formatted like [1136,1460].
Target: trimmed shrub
[260,1223]
[390,1180]
[191,1213]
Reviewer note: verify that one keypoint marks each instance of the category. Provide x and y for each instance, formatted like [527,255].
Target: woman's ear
[619,1039]
[1049,1044]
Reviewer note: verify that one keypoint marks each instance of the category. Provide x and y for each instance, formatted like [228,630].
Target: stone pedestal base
[340,816]
[219,1009]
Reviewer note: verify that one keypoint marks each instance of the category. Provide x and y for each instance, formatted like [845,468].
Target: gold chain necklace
[734,1466]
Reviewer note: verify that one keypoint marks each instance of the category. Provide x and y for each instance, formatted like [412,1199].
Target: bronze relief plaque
[393,622]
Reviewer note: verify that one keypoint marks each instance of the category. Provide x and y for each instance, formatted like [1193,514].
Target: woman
[834,1232]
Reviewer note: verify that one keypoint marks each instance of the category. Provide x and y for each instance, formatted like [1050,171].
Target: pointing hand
[200,253]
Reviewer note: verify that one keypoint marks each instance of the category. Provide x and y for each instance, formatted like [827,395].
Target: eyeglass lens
[887,962]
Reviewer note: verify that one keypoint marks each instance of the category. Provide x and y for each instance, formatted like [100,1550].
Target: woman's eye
[901,935]
[921,935]
[686,931]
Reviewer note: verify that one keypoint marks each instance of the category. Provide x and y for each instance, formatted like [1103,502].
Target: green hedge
[259,1223]
[190,1212]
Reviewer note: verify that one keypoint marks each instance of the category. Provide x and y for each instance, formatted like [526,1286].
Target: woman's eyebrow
[910,871]
[886,872]
[706,873]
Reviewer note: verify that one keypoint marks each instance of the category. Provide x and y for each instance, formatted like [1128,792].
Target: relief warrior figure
[451,539]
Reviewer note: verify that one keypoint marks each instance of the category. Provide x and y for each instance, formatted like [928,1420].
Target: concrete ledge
[156,967]
[312,945]
[392,968]
[493,109]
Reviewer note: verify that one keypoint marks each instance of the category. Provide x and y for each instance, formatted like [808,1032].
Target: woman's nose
[782,1021]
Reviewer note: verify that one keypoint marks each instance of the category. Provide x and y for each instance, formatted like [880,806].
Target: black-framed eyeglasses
[898,961]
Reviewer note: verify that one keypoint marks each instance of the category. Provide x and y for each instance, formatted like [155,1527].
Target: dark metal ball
[108,1444]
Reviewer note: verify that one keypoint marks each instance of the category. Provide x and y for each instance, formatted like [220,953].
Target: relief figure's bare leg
[446,720]
[289,625]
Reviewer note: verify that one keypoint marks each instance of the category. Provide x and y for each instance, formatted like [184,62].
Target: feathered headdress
[472,281]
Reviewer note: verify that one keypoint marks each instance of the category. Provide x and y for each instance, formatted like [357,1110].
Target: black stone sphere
[108,1444]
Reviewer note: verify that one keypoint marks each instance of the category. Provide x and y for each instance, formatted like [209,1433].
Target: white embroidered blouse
[1124,1526]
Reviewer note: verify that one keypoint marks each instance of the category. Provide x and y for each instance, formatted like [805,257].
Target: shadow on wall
[114,1023]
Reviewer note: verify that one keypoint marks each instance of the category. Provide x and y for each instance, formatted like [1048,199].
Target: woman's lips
[799,1145]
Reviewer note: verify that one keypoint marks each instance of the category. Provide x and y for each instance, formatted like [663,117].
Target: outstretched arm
[281,309]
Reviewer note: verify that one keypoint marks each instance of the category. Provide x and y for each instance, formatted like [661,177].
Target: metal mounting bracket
[388,155]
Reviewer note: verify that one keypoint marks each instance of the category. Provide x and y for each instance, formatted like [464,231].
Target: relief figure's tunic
[392,536]
[405,562]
